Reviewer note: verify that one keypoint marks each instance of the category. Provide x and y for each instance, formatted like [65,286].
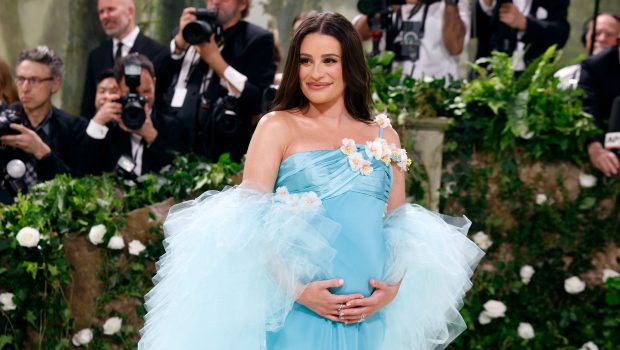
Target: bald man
[118,20]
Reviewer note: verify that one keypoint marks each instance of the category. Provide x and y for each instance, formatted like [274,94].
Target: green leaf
[31,318]
[5,340]
[587,203]
[31,267]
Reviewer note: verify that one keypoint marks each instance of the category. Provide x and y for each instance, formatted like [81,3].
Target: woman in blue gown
[317,248]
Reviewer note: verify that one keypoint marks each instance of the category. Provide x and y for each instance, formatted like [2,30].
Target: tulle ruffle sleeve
[234,264]
[433,258]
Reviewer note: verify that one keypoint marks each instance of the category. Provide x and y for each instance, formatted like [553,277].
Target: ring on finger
[362,317]
[340,307]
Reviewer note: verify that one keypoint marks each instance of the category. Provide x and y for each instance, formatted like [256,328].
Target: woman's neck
[330,112]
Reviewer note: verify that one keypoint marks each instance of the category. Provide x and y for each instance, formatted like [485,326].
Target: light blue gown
[236,261]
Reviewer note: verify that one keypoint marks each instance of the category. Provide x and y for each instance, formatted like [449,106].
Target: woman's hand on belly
[317,297]
[358,310]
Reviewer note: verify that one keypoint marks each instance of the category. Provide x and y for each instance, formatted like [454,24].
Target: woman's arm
[265,152]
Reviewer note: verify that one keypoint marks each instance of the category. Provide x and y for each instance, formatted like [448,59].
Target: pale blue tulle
[235,262]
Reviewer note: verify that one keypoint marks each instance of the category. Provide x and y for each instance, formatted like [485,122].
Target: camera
[132,115]
[503,38]
[409,47]
[9,115]
[370,7]
[203,28]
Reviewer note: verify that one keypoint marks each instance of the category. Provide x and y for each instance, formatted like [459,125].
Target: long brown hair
[8,91]
[355,70]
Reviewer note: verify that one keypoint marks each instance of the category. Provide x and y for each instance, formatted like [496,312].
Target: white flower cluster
[110,327]
[28,237]
[587,180]
[492,309]
[526,273]
[116,242]
[525,331]
[383,121]
[482,240]
[305,201]
[6,300]
[609,273]
[574,285]
[589,346]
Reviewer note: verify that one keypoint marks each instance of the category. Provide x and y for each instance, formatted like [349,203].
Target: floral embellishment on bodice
[379,149]
[298,201]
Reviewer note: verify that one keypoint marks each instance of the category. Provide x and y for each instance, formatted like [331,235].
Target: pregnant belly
[360,247]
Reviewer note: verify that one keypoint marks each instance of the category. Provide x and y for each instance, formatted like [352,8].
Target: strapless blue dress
[236,261]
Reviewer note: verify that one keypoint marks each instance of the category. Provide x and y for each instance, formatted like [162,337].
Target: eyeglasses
[31,80]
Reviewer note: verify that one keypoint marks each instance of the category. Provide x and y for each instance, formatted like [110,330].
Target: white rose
[574,285]
[96,233]
[526,273]
[541,199]
[494,308]
[484,318]
[112,325]
[524,131]
[116,242]
[609,273]
[525,330]
[482,240]
[589,346]
[6,299]
[136,247]
[28,237]
[82,337]
[587,180]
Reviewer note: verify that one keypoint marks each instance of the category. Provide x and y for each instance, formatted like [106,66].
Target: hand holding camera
[27,140]
[109,111]
[512,17]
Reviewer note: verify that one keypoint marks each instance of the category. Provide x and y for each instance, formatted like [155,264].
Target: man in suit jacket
[117,19]
[203,79]
[110,145]
[600,78]
[45,139]
[534,25]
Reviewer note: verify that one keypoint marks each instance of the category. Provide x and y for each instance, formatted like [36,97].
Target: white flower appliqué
[383,121]
[356,161]
[374,149]
[305,200]
[348,146]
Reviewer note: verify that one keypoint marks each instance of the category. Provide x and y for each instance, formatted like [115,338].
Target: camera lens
[133,115]
[197,32]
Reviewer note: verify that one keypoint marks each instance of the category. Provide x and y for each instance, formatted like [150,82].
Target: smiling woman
[303,254]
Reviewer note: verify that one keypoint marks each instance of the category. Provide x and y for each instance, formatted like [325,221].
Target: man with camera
[38,140]
[219,66]
[118,20]
[427,36]
[126,135]
[512,25]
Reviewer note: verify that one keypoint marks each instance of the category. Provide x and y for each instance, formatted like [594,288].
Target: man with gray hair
[118,20]
[41,140]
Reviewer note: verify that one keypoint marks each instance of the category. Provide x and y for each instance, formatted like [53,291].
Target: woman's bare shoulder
[391,136]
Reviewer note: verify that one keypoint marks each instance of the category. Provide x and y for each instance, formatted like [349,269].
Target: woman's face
[320,68]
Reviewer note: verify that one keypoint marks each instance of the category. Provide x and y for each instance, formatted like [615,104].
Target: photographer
[600,79]
[216,81]
[509,27]
[38,140]
[126,135]
[118,21]
[427,35]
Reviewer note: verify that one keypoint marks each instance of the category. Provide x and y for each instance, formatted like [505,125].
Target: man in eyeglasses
[42,141]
